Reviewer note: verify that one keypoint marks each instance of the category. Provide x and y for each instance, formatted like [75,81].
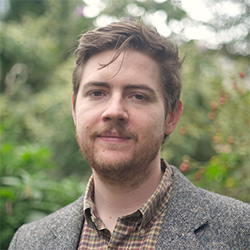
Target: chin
[113,159]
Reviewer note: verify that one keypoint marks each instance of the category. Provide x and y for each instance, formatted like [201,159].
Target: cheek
[86,121]
[82,121]
[152,126]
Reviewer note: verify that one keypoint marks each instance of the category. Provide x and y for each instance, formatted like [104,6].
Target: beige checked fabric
[139,230]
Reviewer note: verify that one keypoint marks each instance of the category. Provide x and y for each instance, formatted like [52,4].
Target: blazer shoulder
[37,234]
[182,187]
[216,220]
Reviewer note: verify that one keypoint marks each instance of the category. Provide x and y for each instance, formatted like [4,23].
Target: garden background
[41,167]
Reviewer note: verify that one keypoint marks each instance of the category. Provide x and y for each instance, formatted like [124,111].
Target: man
[125,102]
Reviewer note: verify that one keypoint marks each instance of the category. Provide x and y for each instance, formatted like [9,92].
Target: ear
[173,118]
[73,108]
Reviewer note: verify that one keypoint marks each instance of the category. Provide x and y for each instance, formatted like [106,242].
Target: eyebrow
[139,86]
[127,87]
[98,84]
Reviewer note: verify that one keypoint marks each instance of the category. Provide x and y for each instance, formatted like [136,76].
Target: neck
[113,201]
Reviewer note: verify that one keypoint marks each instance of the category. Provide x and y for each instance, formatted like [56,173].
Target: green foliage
[35,116]
[213,141]
[18,9]
[29,187]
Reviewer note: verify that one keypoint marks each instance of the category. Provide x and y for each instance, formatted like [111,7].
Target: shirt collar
[158,200]
[148,211]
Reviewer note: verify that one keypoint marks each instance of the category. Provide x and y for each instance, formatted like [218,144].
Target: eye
[96,93]
[140,97]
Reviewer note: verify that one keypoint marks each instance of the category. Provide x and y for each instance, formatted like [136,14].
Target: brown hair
[133,35]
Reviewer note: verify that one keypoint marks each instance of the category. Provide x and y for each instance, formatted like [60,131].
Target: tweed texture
[195,219]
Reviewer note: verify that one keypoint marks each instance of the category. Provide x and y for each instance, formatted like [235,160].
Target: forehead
[131,65]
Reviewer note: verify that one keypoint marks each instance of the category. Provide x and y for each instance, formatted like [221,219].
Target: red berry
[184,167]
[230,139]
[222,100]
[242,74]
[211,115]
[213,105]
[182,130]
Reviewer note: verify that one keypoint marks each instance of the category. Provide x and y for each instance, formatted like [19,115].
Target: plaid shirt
[139,230]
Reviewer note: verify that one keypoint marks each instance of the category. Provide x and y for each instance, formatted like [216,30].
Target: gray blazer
[195,219]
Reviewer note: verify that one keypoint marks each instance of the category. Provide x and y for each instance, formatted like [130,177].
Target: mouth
[113,137]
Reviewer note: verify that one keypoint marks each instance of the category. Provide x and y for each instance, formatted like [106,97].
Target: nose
[115,110]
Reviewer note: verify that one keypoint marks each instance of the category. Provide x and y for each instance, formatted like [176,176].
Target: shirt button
[142,232]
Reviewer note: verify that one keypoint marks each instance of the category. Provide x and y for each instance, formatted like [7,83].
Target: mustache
[107,128]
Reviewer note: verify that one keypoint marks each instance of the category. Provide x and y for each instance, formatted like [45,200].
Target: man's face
[120,115]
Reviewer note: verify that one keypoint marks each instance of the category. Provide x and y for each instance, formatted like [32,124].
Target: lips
[114,135]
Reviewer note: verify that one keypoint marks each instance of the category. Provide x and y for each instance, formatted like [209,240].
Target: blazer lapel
[184,216]
[178,229]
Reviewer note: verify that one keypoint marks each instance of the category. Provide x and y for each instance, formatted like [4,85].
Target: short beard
[125,171]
